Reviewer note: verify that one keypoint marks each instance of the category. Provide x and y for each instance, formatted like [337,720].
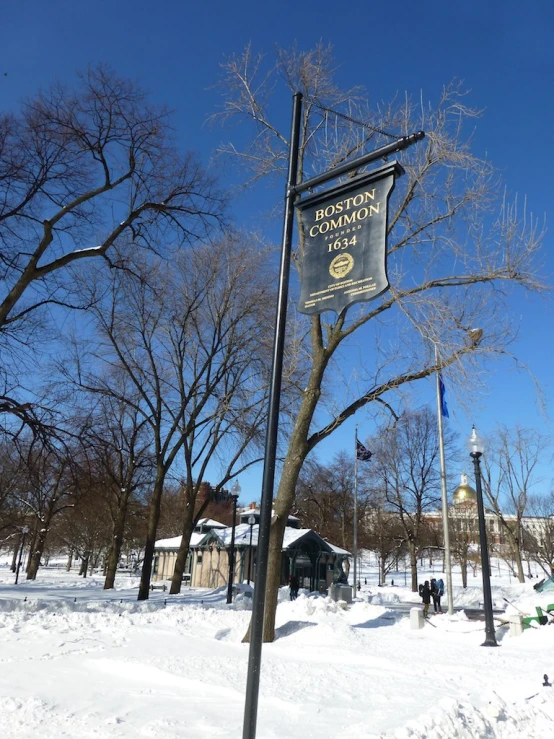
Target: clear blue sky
[504,52]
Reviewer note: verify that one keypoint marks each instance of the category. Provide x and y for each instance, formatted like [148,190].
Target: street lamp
[235,492]
[24,532]
[251,522]
[476,448]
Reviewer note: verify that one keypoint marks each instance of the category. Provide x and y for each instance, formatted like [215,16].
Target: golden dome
[464,492]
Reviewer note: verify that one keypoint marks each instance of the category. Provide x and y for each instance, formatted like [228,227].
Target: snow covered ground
[80,662]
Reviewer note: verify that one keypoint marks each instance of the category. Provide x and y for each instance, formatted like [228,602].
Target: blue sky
[503,51]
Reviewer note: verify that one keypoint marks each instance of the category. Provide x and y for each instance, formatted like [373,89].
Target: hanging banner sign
[345,230]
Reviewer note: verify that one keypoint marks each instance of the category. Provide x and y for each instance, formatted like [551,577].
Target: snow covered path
[100,668]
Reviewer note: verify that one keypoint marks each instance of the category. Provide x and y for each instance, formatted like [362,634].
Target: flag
[442,392]
[363,454]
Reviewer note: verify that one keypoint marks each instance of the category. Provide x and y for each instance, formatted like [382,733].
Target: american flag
[363,454]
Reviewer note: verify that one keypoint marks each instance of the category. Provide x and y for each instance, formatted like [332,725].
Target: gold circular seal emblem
[341,266]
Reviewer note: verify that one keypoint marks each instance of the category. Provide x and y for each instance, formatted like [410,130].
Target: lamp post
[251,522]
[24,532]
[476,448]
[235,492]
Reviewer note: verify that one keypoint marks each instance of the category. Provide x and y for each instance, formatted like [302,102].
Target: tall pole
[264,528]
[355,527]
[444,496]
[232,552]
[490,638]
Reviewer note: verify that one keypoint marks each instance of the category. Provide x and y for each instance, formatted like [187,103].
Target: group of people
[434,590]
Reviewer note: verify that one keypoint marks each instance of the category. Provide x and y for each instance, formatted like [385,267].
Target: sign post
[371,282]
[270,458]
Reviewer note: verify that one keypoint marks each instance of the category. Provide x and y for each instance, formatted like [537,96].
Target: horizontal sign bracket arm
[383,151]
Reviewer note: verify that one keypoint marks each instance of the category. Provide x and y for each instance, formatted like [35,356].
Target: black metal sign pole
[258,603]
[292,192]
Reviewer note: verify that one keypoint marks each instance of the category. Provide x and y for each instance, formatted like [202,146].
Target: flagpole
[355,532]
[446,532]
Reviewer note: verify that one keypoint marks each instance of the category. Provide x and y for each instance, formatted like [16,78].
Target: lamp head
[475,445]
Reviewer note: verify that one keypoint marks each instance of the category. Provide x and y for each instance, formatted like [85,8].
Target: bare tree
[12,486]
[464,537]
[50,487]
[84,528]
[119,447]
[405,471]
[87,174]
[325,498]
[510,476]
[192,344]
[227,357]
[541,538]
[448,272]
[383,533]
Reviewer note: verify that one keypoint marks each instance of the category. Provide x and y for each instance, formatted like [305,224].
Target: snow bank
[82,662]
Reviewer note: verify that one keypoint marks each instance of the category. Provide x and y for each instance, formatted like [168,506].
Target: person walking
[435,595]
[425,593]
[293,587]
[439,592]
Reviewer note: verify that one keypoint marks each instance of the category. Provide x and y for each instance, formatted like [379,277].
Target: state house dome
[464,493]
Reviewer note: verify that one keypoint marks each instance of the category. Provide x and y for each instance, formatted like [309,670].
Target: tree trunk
[297,451]
[516,553]
[117,542]
[34,560]
[69,561]
[93,560]
[177,577]
[518,562]
[463,565]
[278,526]
[17,545]
[153,519]
[32,544]
[413,565]
[296,454]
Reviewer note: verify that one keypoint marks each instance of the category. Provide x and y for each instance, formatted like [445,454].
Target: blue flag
[363,454]
[442,393]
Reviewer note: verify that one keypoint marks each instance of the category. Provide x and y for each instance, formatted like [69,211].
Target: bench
[160,586]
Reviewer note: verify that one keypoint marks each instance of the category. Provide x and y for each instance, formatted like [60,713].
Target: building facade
[306,555]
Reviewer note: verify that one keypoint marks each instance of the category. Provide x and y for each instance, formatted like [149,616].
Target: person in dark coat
[434,595]
[293,586]
[425,593]
[437,589]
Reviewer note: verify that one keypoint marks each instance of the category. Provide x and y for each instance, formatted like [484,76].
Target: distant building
[463,519]
[305,554]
